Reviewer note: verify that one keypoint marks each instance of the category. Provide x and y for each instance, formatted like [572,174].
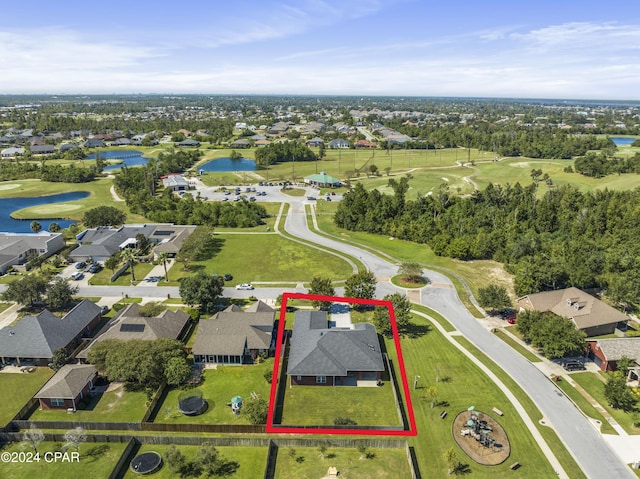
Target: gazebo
[322,180]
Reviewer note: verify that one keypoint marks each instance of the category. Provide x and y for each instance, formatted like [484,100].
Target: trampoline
[190,403]
[146,463]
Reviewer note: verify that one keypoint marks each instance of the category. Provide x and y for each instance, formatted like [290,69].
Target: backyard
[22,386]
[251,460]
[96,460]
[307,462]
[218,387]
[118,404]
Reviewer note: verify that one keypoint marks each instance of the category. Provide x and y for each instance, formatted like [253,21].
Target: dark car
[228,277]
[573,365]
[94,268]
[80,265]
[311,198]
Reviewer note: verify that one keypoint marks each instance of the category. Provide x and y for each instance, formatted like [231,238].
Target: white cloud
[578,35]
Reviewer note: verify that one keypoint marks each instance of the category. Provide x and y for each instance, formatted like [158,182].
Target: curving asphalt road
[586,444]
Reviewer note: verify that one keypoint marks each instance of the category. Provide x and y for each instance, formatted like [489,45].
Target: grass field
[461,384]
[268,258]
[595,387]
[219,386]
[585,406]
[518,347]
[104,275]
[22,386]
[251,460]
[307,463]
[119,405]
[96,460]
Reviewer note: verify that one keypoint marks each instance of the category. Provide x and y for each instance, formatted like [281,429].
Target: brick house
[67,387]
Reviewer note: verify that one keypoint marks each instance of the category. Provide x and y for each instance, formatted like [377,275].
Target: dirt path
[114,194]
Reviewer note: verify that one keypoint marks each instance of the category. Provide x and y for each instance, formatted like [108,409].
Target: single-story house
[67,146]
[128,324]
[262,143]
[315,142]
[33,339]
[67,387]
[338,356]
[189,143]
[11,152]
[175,182]
[339,143]
[15,248]
[589,314]
[42,149]
[607,352]
[101,242]
[94,143]
[122,142]
[241,143]
[235,336]
[365,144]
[323,180]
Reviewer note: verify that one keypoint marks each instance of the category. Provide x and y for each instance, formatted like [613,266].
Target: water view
[9,205]
[227,164]
[128,157]
[622,141]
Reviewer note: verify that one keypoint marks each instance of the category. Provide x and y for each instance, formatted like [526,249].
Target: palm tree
[35,226]
[164,257]
[131,256]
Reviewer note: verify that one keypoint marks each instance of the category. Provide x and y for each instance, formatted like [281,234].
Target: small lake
[227,164]
[9,205]
[622,141]
[128,157]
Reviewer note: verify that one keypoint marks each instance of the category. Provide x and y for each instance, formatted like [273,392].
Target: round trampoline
[146,463]
[190,403]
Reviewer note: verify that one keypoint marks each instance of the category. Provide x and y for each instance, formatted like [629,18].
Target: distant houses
[16,248]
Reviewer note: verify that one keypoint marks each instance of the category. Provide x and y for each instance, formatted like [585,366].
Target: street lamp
[415,382]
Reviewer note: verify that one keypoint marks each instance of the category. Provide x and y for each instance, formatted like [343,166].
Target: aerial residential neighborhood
[313,240]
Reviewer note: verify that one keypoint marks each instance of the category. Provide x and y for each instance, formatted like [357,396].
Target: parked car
[94,268]
[227,192]
[244,286]
[328,198]
[228,277]
[105,309]
[311,198]
[511,320]
[253,198]
[573,365]
[81,265]
[77,276]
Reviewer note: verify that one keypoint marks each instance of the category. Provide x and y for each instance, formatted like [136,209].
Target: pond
[9,205]
[128,157]
[227,164]
[622,141]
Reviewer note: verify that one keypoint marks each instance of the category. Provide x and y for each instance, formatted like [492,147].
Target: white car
[244,286]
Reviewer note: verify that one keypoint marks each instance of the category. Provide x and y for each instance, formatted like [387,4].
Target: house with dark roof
[241,143]
[42,150]
[33,339]
[94,143]
[235,336]
[188,143]
[315,142]
[588,313]
[607,352]
[129,324]
[333,356]
[67,387]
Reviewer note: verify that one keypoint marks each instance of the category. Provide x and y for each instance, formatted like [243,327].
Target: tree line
[598,165]
[285,151]
[549,237]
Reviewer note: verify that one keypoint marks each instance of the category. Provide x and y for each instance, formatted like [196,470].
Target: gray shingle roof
[615,348]
[227,332]
[317,350]
[68,381]
[167,325]
[39,336]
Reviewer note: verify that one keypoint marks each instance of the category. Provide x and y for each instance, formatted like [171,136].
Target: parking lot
[267,192]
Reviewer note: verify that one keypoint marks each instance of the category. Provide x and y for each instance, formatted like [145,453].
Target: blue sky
[532,49]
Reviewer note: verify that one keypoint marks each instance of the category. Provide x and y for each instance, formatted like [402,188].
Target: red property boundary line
[270,428]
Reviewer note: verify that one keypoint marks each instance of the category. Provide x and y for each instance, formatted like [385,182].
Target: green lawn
[518,347]
[316,405]
[120,405]
[269,222]
[595,387]
[251,460]
[252,258]
[307,463]
[585,406]
[22,386]
[219,386]
[4,306]
[461,384]
[104,275]
[96,460]
[551,438]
